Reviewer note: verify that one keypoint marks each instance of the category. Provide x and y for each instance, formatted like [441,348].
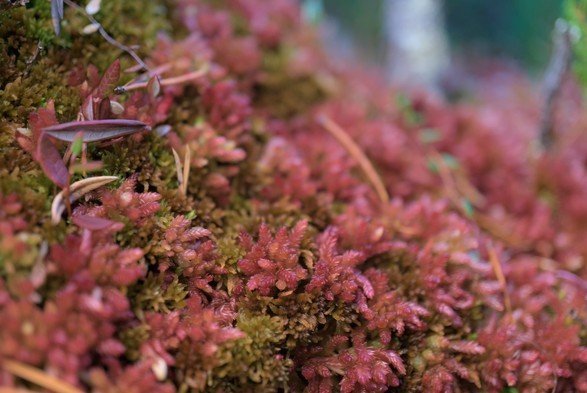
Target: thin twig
[500,232]
[107,36]
[494,260]
[169,81]
[159,70]
[183,170]
[37,377]
[30,62]
[178,167]
[564,35]
[186,169]
[351,147]
[455,196]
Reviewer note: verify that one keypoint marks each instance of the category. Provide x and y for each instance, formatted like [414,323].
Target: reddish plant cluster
[337,276]
[278,263]
[272,263]
[80,321]
[363,369]
[122,202]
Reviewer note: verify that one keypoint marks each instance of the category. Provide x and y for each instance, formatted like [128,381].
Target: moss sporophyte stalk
[236,211]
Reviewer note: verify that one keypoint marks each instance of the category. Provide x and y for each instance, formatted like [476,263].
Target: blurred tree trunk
[418,52]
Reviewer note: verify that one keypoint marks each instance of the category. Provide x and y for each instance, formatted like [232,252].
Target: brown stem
[107,36]
[186,169]
[351,147]
[37,377]
[170,81]
[496,266]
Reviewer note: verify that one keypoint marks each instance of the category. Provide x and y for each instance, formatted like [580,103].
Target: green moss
[302,315]
[282,94]
[151,158]
[18,257]
[254,361]
[229,252]
[133,338]
[130,23]
[26,84]
[29,79]
[153,294]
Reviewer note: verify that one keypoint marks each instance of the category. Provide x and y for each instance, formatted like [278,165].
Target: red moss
[272,263]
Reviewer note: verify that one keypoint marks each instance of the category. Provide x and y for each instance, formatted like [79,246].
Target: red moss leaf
[92,223]
[104,111]
[154,86]
[109,80]
[51,162]
[93,76]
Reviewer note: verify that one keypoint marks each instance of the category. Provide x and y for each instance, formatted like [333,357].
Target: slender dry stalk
[355,151]
[38,377]
[178,167]
[183,170]
[460,188]
[500,232]
[105,34]
[186,170]
[496,266]
[170,81]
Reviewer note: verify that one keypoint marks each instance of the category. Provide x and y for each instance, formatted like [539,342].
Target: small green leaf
[200,120]
[467,208]
[509,389]
[432,166]
[403,101]
[451,161]
[430,135]
[76,146]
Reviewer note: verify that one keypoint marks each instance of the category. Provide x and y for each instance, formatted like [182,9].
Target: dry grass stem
[355,151]
[171,81]
[38,377]
[186,170]
[496,266]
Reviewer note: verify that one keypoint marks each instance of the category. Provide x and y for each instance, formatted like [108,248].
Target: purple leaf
[93,76]
[88,108]
[95,130]
[92,223]
[154,86]
[163,129]
[51,162]
[109,79]
[104,109]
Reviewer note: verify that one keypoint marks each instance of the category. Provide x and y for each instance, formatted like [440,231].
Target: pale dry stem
[38,377]
[355,151]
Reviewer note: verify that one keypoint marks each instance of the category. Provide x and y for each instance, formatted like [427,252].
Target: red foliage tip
[336,275]
[273,262]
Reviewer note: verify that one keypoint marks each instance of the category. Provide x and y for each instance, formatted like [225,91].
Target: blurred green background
[516,29]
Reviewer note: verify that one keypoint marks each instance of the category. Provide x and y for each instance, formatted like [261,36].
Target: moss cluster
[370,295]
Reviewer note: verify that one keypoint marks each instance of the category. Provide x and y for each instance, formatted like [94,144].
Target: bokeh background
[519,30]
